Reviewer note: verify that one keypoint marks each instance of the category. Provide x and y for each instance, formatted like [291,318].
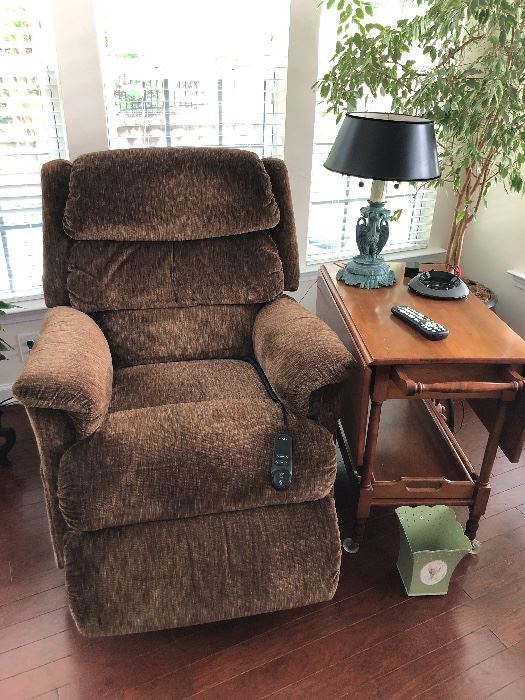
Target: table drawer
[460,381]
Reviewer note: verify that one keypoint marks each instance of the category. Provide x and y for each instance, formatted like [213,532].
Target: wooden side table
[403,452]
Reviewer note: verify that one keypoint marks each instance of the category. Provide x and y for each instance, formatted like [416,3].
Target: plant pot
[486,295]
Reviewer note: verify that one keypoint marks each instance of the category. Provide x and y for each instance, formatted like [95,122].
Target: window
[201,81]
[31,133]
[335,200]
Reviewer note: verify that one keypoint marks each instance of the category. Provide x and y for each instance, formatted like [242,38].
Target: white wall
[28,322]
[494,244]
[300,110]
[81,87]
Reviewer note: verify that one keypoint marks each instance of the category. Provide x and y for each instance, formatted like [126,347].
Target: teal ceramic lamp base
[368,269]
[367,274]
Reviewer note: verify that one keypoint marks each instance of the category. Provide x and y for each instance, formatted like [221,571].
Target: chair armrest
[69,369]
[299,353]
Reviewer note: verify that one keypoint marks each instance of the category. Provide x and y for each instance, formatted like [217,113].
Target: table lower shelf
[418,460]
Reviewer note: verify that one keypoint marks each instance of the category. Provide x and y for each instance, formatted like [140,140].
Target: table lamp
[380,147]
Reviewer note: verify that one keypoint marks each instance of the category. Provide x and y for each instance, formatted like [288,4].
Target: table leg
[482,488]
[366,490]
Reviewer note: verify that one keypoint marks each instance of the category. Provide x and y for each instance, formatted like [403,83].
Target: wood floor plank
[19,514]
[383,657]
[15,590]
[500,524]
[502,601]
[506,500]
[495,550]
[368,691]
[291,661]
[512,691]
[51,695]
[102,667]
[484,679]
[437,666]
[18,569]
[508,480]
[510,629]
[492,577]
[34,629]
[36,654]
[260,649]
[32,606]
[39,680]
[502,465]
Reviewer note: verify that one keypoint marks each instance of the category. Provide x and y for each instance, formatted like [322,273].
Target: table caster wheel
[350,546]
[476,547]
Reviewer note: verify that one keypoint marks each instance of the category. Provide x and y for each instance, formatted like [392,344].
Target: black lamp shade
[380,146]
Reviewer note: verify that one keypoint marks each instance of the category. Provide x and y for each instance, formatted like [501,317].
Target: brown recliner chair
[165,268]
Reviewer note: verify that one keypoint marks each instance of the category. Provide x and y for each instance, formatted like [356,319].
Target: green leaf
[474,91]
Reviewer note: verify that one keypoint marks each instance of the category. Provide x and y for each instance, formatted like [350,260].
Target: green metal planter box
[432,544]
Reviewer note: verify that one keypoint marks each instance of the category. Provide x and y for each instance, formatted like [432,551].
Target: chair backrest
[171,250]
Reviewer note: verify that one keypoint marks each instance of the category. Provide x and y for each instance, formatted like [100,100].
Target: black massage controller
[281,472]
[426,326]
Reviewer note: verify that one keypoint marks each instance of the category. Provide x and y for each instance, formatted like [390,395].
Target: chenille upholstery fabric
[165,268]
[110,275]
[55,188]
[294,369]
[194,570]
[184,382]
[54,434]
[284,233]
[206,451]
[185,193]
[69,369]
[187,333]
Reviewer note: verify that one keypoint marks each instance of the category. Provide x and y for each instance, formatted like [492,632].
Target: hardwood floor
[371,641]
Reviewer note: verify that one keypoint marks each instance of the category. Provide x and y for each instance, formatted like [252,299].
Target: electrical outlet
[25,343]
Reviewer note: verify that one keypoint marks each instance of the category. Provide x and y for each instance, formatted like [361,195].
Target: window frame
[48,136]
[78,48]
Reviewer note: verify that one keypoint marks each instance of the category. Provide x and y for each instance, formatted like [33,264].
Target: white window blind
[335,200]
[31,133]
[191,74]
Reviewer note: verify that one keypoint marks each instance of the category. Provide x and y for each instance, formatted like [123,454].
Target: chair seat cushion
[184,439]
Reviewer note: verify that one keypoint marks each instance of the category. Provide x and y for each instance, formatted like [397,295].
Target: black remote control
[432,330]
[281,472]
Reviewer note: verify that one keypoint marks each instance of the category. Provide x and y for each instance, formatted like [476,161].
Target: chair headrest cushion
[168,194]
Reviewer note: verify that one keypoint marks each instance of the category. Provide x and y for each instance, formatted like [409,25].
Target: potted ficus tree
[459,63]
